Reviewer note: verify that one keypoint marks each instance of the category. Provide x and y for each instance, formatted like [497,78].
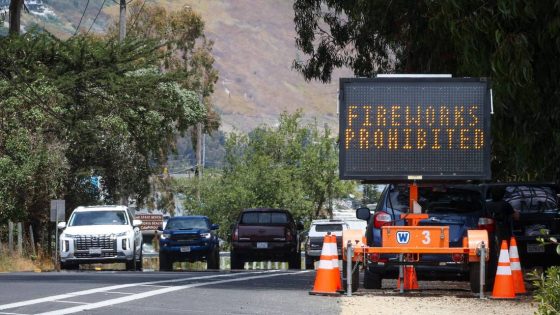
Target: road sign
[399,129]
[150,222]
[58,209]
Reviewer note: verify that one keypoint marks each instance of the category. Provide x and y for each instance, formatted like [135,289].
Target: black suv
[264,234]
[537,217]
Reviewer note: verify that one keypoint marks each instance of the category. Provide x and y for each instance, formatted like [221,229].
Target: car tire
[236,261]
[295,261]
[140,263]
[165,263]
[372,280]
[309,263]
[69,266]
[355,277]
[213,260]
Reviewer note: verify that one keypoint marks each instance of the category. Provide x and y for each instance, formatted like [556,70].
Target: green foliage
[515,43]
[547,291]
[289,166]
[82,107]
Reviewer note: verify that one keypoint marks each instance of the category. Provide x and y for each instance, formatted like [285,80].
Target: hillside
[254,48]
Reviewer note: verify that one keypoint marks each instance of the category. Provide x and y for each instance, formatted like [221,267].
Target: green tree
[515,43]
[290,166]
[115,114]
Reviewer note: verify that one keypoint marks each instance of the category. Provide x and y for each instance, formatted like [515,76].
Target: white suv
[316,236]
[101,234]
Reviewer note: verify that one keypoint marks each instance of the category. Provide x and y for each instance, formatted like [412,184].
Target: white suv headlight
[165,235]
[205,235]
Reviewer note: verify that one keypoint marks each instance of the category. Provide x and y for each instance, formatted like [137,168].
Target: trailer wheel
[474,276]
[372,280]
[355,278]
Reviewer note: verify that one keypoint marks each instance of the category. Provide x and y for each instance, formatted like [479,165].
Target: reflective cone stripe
[327,278]
[503,284]
[516,270]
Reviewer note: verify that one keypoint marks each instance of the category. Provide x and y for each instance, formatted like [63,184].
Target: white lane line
[117,292]
[4,313]
[110,288]
[143,295]
[70,302]
[155,286]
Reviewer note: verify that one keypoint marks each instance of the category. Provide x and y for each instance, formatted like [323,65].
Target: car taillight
[235,236]
[289,235]
[457,257]
[380,219]
[374,257]
[487,224]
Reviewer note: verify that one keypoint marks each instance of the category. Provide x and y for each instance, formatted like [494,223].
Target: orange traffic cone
[516,271]
[327,278]
[503,283]
[410,281]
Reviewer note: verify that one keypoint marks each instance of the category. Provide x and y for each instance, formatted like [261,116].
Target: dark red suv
[264,234]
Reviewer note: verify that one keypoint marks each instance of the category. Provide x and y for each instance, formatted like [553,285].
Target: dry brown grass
[13,262]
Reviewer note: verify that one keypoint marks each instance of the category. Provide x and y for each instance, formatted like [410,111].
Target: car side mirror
[61,225]
[363,213]
[136,223]
[214,226]
[299,226]
[160,228]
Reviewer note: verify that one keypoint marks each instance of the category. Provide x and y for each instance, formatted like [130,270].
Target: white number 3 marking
[426,239]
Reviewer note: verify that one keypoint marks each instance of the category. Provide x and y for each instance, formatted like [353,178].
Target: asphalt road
[112,292]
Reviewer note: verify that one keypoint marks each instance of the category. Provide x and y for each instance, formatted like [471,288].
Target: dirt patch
[380,303]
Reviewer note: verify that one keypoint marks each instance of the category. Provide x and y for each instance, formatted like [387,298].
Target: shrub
[548,291]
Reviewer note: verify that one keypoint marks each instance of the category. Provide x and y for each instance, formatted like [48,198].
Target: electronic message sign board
[394,129]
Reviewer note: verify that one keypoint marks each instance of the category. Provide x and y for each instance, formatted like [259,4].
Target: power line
[95,19]
[80,23]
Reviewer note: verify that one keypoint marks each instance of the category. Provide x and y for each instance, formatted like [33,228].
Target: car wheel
[309,263]
[69,266]
[236,261]
[165,263]
[140,263]
[295,261]
[355,277]
[372,280]
[213,260]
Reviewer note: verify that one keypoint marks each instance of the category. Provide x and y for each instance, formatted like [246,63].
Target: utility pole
[15,16]
[199,144]
[122,22]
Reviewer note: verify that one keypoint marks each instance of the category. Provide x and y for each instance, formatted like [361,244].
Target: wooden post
[10,237]
[32,240]
[20,238]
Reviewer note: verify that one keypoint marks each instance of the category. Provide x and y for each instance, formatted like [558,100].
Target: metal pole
[122,21]
[57,266]
[482,269]
[349,252]
[401,274]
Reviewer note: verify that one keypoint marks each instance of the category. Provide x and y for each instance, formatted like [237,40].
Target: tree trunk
[15,16]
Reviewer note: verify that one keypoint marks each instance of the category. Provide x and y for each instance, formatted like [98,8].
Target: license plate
[185,249]
[535,248]
[262,244]
[95,251]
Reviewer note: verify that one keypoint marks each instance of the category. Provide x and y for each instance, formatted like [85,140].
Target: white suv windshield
[98,218]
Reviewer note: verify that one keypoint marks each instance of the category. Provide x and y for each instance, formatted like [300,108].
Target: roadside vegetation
[292,166]
[88,107]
